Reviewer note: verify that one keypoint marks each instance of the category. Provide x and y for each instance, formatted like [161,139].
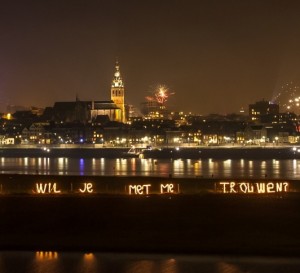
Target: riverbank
[203,152]
[207,224]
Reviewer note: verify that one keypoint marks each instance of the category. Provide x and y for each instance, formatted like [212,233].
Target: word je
[87,187]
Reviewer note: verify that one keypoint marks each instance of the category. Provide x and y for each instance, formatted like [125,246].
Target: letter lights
[144,189]
[247,188]
[46,188]
[232,185]
[168,188]
[261,187]
[87,188]
[139,189]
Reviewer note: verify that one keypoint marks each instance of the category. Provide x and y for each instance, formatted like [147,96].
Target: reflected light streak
[197,168]
[275,162]
[61,162]
[25,160]
[242,167]
[294,166]
[133,164]
[227,163]
[62,165]
[227,167]
[46,262]
[81,166]
[94,163]
[33,161]
[146,165]
[169,266]
[143,266]
[242,163]
[89,264]
[224,267]
[250,168]
[121,166]
[102,165]
[178,165]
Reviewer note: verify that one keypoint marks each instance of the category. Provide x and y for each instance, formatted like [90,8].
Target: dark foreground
[208,224]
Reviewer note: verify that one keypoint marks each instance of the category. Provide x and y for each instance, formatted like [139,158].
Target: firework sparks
[160,94]
[289,97]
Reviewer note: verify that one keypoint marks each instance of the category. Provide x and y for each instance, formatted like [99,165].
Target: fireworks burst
[160,94]
[288,98]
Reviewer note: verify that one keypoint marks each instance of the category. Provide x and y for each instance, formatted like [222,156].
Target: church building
[90,111]
[115,108]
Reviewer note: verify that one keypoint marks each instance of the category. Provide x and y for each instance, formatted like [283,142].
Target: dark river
[241,168]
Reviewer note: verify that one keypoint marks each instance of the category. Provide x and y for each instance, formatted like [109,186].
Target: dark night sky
[215,55]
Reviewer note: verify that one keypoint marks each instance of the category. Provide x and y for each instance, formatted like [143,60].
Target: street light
[276,140]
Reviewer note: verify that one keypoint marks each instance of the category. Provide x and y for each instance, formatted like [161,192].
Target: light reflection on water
[53,262]
[240,168]
[45,261]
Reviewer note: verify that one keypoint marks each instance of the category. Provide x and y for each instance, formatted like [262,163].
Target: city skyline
[215,56]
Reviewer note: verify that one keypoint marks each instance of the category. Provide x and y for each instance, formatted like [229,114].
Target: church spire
[117,79]
[118,93]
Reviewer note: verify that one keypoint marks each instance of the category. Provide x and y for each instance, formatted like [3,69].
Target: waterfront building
[255,134]
[263,111]
[37,133]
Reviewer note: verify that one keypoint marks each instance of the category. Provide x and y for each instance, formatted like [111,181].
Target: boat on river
[137,151]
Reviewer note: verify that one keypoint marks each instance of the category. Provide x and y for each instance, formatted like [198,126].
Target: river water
[241,168]
[62,262]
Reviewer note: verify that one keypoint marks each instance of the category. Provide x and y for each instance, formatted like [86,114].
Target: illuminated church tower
[117,93]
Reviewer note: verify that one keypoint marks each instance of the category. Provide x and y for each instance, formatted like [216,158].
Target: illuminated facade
[263,110]
[105,108]
[118,94]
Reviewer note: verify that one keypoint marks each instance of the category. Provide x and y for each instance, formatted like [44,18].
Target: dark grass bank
[193,224]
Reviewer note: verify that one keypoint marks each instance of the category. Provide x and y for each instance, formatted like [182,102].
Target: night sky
[216,56]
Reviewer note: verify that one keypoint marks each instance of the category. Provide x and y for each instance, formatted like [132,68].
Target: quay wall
[92,151]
